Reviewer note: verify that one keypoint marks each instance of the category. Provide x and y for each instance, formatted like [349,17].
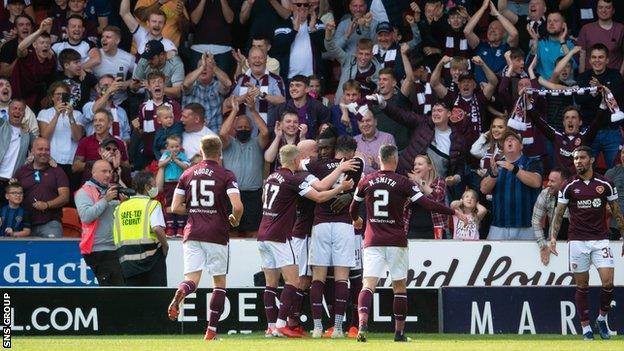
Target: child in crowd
[168,127]
[14,221]
[474,211]
[174,162]
[316,91]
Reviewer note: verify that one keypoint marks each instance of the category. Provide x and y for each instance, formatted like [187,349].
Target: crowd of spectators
[138,84]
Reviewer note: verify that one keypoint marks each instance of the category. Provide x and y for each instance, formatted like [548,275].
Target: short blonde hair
[211,146]
[287,154]
[161,110]
[459,62]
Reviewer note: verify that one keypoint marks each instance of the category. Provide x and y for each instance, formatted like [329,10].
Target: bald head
[307,149]
[41,152]
[102,172]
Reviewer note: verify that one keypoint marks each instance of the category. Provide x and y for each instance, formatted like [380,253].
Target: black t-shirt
[80,90]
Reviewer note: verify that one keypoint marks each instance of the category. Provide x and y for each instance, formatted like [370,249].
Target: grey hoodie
[102,210]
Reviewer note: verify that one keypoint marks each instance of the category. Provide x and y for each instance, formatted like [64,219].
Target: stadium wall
[433,263]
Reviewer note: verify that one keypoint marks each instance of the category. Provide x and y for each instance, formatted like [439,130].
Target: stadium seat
[71,223]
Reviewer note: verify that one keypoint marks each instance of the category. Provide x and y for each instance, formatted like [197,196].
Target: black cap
[152,48]
[384,27]
[108,141]
[466,75]
[9,2]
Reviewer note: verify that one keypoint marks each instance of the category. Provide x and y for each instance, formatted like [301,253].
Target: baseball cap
[108,141]
[466,75]
[511,133]
[384,27]
[9,2]
[152,48]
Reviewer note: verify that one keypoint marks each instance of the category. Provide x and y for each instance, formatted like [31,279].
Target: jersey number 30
[202,195]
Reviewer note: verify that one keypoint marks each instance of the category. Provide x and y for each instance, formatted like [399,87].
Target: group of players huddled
[312,228]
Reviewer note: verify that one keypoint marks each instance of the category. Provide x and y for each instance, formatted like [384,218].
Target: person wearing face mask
[243,154]
[139,235]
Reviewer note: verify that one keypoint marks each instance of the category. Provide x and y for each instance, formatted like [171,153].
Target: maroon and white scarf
[262,105]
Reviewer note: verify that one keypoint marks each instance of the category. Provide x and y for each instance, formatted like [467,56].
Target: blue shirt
[14,218]
[548,51]
[172,170]
[492,56]
[210,97]
[512,202]
[353,129]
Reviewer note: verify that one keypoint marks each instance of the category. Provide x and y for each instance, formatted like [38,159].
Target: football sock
[316,300]
[399,309]
[217,301]
[355,286]
[270,309]
[286,302]
[587,328]
[364,302]
[340,305]
[329,294]
[187,287]
[606,295]
[582,305]
[294,318]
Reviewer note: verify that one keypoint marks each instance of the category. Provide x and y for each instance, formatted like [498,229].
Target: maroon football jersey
[280,193]
[305,216]
[322,168]
[587,201]
[386,195]
[205,187]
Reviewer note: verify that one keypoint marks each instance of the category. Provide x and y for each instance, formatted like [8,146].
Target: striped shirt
[512,200]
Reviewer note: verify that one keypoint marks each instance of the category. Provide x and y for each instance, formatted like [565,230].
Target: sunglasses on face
[301,4]
[110,149]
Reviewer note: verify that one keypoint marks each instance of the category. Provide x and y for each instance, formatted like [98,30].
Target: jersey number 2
[381,201]
[202,196]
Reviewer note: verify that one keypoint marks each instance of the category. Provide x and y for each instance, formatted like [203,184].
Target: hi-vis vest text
[132,232]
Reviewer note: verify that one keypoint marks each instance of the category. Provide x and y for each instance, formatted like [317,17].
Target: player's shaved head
[388,153]
[211,147]
[388,157]
[288,155]
[308,148]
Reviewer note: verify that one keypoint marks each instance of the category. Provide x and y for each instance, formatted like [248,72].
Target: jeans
[608,141]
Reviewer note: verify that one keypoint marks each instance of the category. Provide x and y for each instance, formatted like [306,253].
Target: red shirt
[41,185]
[88,148]
[29,78]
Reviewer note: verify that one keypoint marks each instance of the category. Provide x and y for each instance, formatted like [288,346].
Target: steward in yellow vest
[139,235]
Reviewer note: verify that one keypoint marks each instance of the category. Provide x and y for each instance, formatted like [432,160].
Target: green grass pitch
[257,342]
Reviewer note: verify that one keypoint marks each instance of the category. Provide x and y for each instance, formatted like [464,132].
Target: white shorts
[359,245]
[586,252]
[213,259]
[332,245]
[301,247]
[379,259]
[276,255]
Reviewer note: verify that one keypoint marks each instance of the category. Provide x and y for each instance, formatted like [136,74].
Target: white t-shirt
[7,164]
[141,36]
[190,141]
[62,147]
[443,140]
[301,54]
[83,49]
[111,64]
